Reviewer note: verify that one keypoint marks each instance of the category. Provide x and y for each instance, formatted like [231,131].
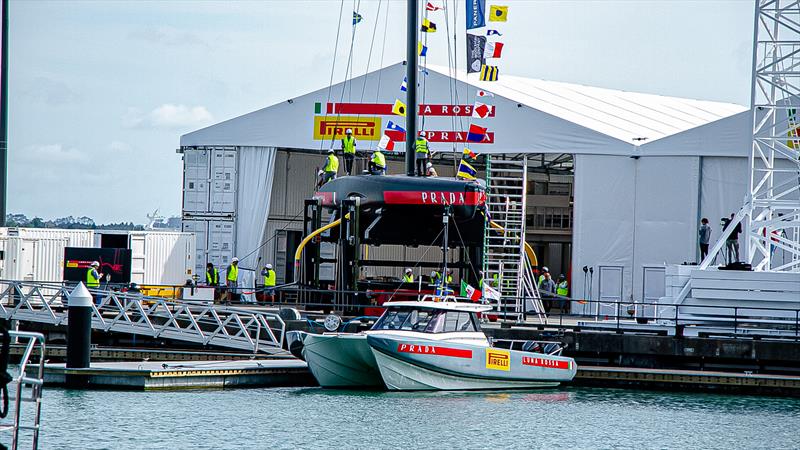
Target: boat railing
[26,387]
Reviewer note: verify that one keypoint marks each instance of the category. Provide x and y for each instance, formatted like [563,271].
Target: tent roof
[627,116]
[532,115]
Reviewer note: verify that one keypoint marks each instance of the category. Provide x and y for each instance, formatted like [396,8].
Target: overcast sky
[101,91]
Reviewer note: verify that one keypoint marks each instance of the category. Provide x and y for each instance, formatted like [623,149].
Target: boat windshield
[425,320]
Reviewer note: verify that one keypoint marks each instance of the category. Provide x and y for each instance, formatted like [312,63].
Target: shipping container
[223,181]
[215,241]
[32,259]
[196,179]
[75,238]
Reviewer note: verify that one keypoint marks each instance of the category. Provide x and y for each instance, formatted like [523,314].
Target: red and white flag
[484,94]
[385,143]
[481,110]
[431,7]
[493,50]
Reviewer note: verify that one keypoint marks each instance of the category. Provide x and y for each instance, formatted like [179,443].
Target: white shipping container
[222,197]
[33,259]
[165,258]
[215,241]
[75,238]
[196,179]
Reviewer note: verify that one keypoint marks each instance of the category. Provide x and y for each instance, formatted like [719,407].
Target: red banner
[433,198]
[386,109]
[545,362]
[440,136]
[434,350]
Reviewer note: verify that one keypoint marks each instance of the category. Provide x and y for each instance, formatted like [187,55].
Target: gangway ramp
[200,323]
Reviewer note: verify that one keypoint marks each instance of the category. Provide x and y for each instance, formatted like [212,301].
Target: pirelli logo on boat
[333,127]
[498,359]
[434,350]
[545,362]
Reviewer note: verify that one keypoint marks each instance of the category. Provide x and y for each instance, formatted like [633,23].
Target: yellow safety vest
[421,145]
[91,281]
[332,165]
[562,289]
[269,278]
[349,145]
[233,273]
[212,278]
[379,160]
[408,278]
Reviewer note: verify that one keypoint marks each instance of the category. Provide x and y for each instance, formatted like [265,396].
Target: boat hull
[422,364]
[341,360]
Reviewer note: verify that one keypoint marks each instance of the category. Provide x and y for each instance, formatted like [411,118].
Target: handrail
[34,383]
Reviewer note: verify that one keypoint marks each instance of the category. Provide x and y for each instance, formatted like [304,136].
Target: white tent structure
[647,167]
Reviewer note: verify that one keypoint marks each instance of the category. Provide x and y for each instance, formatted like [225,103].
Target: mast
[411,91]
[4,114]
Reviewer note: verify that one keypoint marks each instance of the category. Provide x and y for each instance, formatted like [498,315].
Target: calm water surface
[316,418]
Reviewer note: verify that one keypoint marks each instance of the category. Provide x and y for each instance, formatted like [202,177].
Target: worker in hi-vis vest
[422,152]
[562,290]
[269,280]
[331,167]
[212,275]
[377,164]
[408,276]
[541,276]
[232,280]
[349,150]
[93,276]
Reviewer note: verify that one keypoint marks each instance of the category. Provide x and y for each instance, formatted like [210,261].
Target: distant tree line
[69,222]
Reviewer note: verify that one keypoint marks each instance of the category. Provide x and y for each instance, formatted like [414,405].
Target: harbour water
[315,418]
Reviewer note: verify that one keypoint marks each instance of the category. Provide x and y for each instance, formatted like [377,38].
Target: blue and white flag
[404,85]
[395,127]
[476,14]
[357,18]
[493,33]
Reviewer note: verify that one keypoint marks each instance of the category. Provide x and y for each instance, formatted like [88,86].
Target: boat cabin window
[427,321]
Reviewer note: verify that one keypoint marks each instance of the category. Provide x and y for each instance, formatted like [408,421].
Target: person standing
[545,271]
[547,287]
[732,243]
[704,235]
[270,279]
[232,279]
[562,290]
[421,151]
[93,277]
[212,275]
[349,150]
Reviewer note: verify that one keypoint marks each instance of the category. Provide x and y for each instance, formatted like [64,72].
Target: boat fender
[289,314]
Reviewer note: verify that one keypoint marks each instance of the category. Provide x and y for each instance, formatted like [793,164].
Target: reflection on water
[319,418]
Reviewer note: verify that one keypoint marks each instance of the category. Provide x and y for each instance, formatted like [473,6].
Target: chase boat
[428,345]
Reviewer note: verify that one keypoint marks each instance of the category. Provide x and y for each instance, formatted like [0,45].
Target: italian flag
[469,291]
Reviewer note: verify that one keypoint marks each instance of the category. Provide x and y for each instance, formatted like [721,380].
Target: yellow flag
[399,108]
[498,13]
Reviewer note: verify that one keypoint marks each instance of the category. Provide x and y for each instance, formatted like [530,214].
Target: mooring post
[79,334]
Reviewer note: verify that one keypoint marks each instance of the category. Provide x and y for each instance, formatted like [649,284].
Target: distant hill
[69,222]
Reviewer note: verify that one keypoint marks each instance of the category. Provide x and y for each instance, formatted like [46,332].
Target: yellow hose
[528,249]
[321,230]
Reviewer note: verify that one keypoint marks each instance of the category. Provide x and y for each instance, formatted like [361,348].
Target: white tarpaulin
[256,172]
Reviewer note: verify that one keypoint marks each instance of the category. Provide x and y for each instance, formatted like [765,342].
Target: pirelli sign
[333,127]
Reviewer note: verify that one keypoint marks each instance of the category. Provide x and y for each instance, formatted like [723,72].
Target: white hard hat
[348,131]
[269,266]
[545,269]
[95,264]
[330,150]
[408,269]
[234,259]
[428,166]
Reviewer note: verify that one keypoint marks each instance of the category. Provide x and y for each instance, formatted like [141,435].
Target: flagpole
[4,113]
[411,91]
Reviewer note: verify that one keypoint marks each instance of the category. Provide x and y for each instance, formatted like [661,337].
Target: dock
[172,375]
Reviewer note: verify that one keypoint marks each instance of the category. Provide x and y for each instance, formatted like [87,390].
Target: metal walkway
[200,323]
